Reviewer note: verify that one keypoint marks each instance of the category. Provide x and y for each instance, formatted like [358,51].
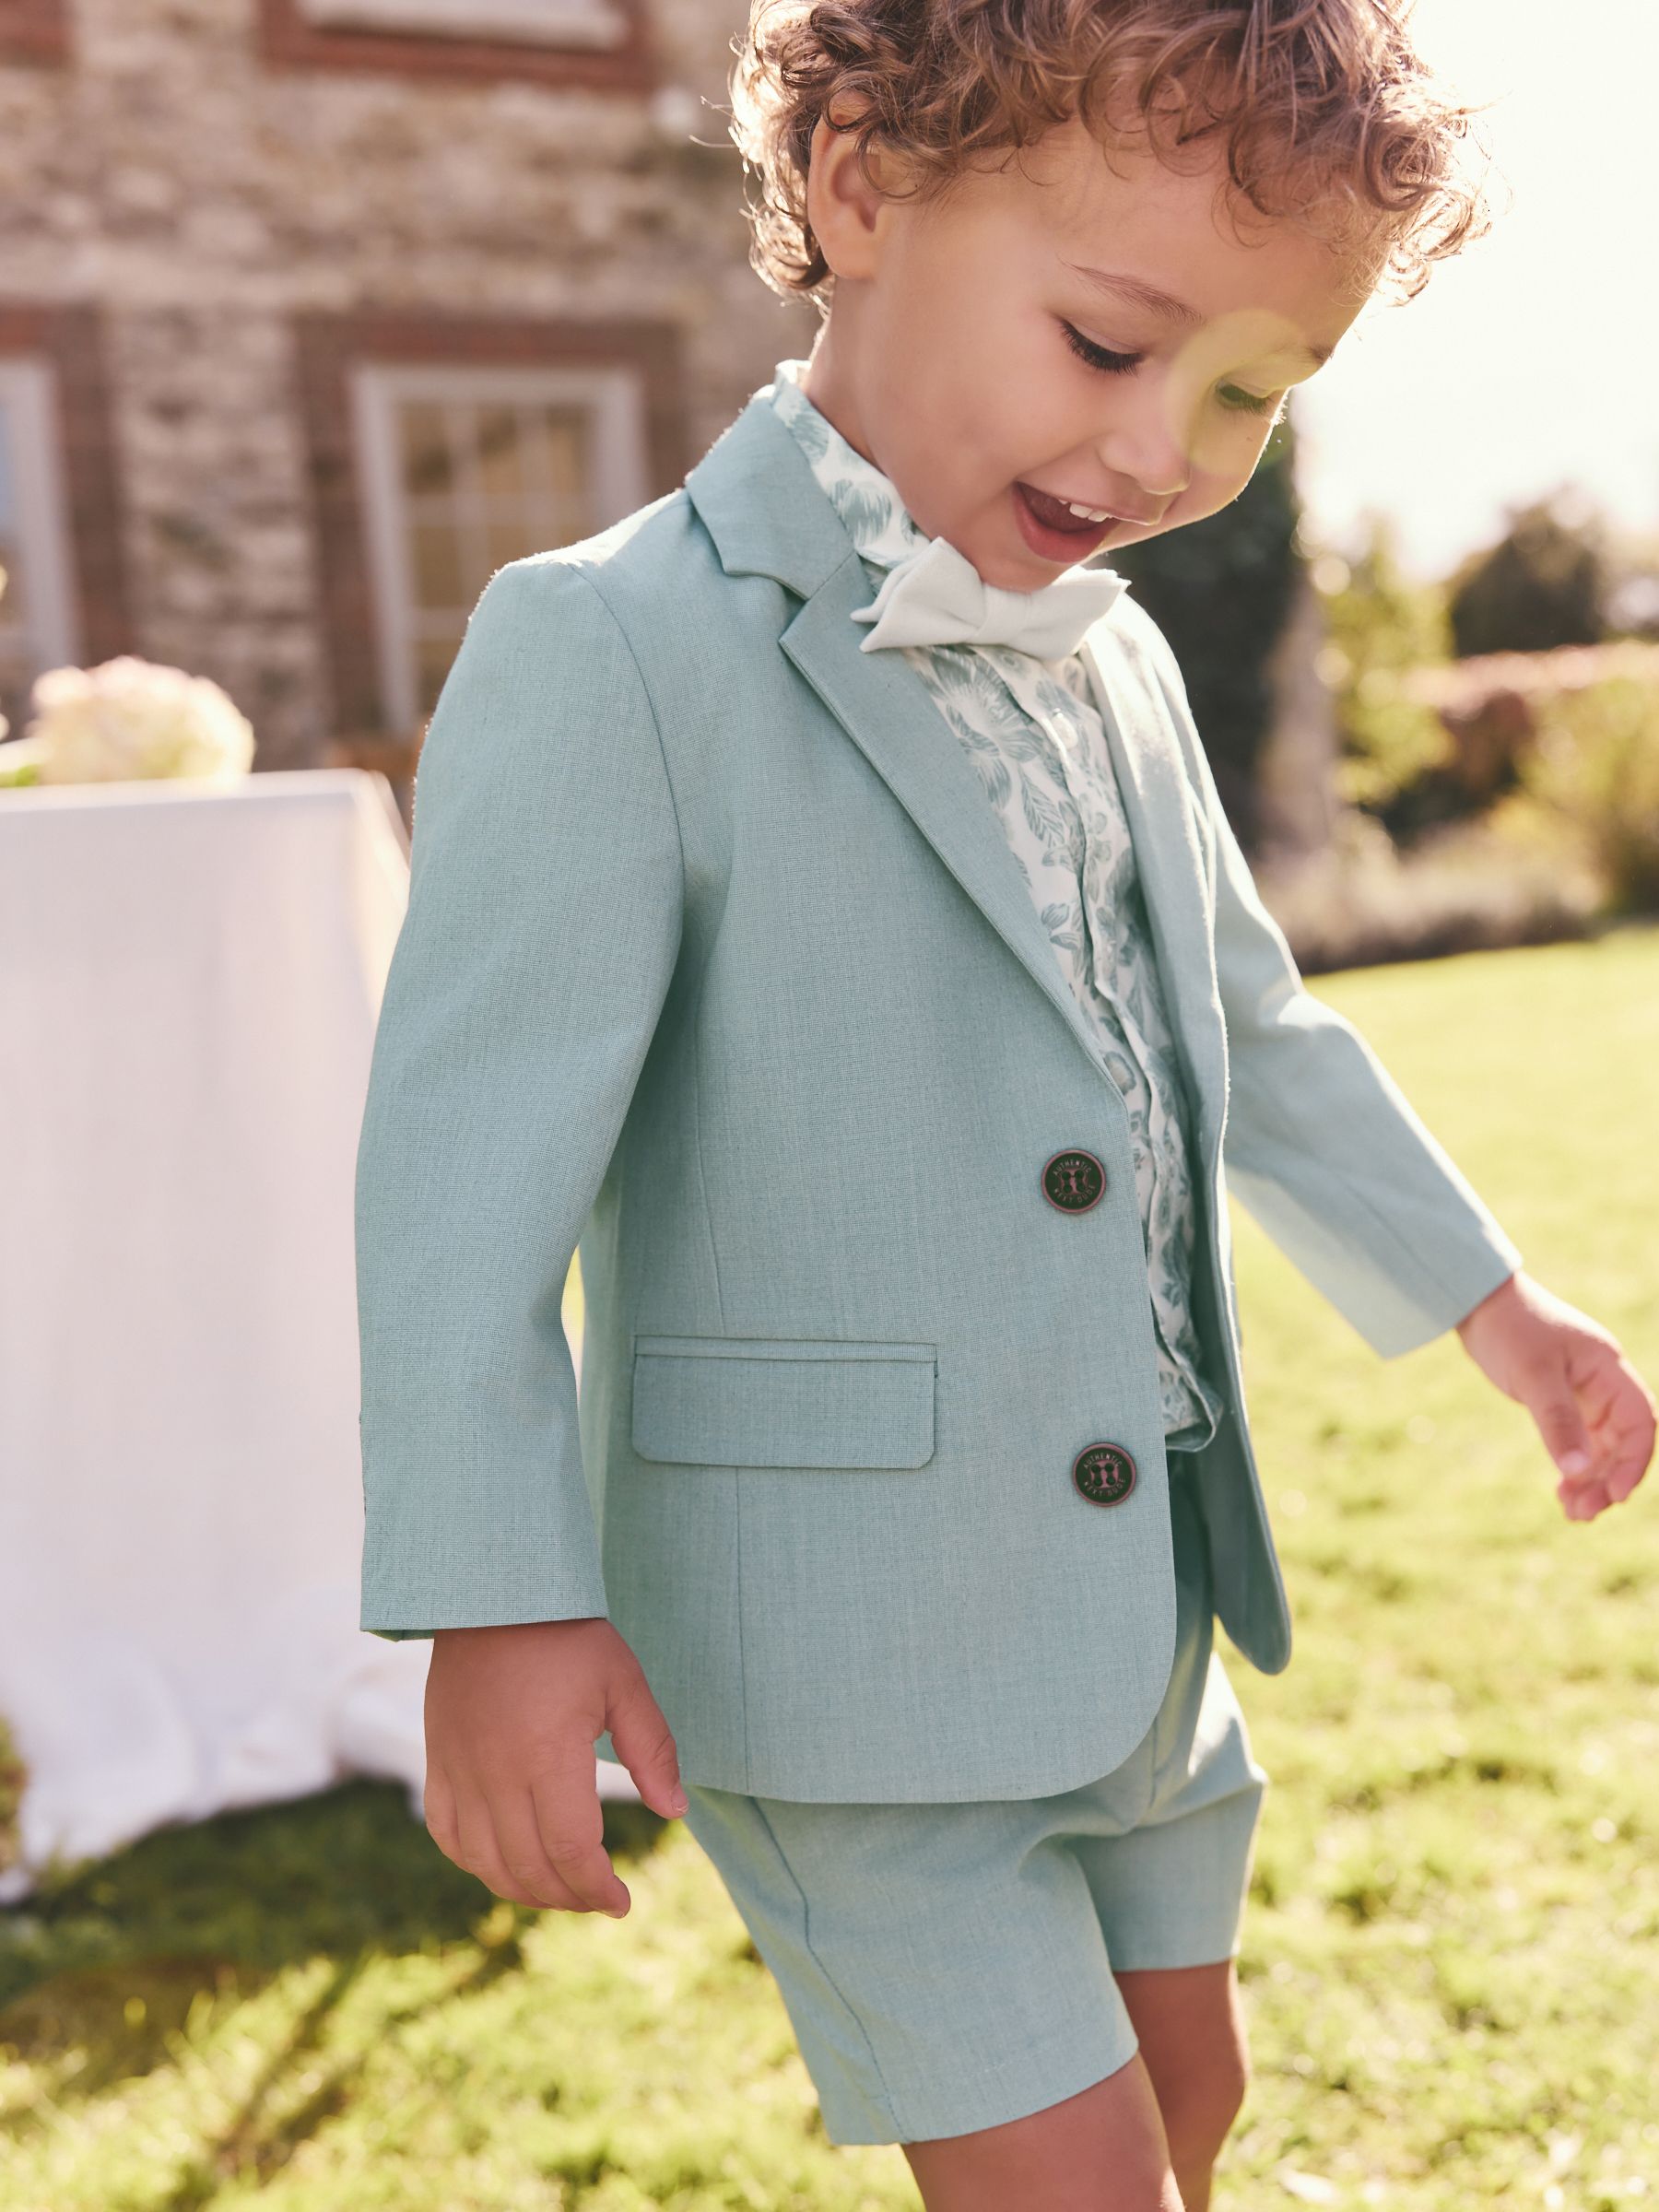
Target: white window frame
[29,422]
[520,22]
[613,393]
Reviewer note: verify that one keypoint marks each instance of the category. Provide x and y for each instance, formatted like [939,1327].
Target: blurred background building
[312,313]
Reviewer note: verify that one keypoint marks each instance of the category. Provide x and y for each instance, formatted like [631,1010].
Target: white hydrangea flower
[130,718]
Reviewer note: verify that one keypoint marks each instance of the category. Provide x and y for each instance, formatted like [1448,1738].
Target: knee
[1200,2109]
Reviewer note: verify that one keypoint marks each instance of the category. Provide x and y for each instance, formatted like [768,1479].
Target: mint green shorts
[950,1967]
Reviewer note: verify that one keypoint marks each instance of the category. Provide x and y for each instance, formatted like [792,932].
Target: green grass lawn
[1451,1957]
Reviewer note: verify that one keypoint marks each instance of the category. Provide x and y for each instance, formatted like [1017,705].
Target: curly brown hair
[1328,112]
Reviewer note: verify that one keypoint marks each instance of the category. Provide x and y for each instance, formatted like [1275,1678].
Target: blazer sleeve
[1321,1145]
[543,926]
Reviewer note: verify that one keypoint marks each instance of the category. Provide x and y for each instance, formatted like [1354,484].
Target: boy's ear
[844,206]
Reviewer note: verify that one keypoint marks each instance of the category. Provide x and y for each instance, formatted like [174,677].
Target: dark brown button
[1105,1473]
[1073,1181]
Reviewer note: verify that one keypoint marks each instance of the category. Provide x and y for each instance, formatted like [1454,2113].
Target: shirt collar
[932,593]
[864,496]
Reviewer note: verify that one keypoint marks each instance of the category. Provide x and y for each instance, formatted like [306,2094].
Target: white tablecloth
[189,980]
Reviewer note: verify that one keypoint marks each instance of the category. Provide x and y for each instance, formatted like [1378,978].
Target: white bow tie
[937,597]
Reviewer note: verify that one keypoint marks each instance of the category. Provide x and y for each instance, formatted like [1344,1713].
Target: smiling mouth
[1062,514]
[1056,531]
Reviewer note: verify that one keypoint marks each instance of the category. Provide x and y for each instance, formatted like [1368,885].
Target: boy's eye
[1100,357]
[1236,401]
[1250,403]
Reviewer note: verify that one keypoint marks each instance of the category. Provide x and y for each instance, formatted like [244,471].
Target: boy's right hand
[511,1715]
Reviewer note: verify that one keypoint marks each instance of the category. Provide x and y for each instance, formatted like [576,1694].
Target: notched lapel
[885,707]
[1173,868]
[762,506]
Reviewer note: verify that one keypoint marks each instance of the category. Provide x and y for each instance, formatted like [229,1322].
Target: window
[604,45]
[465,469]
[488,435]
[530,22]
[37,600]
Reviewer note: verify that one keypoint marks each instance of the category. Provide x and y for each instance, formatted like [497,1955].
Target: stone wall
[204,198]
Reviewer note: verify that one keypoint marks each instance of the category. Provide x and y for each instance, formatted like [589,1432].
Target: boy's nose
[1152,464]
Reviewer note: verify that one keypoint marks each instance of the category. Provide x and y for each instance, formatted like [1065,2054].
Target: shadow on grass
[100,1970]
[257,2141]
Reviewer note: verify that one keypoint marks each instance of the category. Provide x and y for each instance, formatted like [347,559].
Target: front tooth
[1087,515]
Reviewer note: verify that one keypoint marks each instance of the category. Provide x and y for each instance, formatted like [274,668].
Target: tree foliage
[1380,622]
[1545,582]
[1221,591]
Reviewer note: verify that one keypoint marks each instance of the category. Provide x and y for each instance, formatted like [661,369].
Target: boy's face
[973,357]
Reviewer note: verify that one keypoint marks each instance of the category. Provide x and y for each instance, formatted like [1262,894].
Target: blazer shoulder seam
[586,572]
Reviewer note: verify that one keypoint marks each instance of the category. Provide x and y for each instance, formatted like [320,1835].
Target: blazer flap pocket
[782,1401]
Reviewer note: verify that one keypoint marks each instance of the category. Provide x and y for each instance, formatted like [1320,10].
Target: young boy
[821,908]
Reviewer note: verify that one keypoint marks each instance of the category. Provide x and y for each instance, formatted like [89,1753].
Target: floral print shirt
[1034,736]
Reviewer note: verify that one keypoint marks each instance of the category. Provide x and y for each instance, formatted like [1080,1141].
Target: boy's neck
[828,384]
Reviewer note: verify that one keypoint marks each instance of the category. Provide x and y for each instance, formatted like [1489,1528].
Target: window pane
[500,456]
[486,482]
[469,469]
[428,465]
[510,537]
[565,447]
[438,574]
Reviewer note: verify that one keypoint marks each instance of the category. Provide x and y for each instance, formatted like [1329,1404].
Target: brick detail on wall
[71,340]
[326,346]
[289,40]
[34,31]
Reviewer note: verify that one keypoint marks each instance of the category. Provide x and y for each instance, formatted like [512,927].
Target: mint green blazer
[717,966]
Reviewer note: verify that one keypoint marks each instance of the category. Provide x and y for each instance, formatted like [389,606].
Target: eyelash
[1121,364]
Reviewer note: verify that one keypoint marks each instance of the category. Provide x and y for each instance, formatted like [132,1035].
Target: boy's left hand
[1593,1409]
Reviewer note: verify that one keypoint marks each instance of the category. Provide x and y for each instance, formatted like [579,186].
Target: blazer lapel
[1174,876]
[767,514]
[889,712]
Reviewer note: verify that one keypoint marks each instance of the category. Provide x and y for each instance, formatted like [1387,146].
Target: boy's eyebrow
[1160,302]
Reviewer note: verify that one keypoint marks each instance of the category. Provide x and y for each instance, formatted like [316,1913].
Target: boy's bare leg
[1102,2150]
[1145,2139]
[1193,2043]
